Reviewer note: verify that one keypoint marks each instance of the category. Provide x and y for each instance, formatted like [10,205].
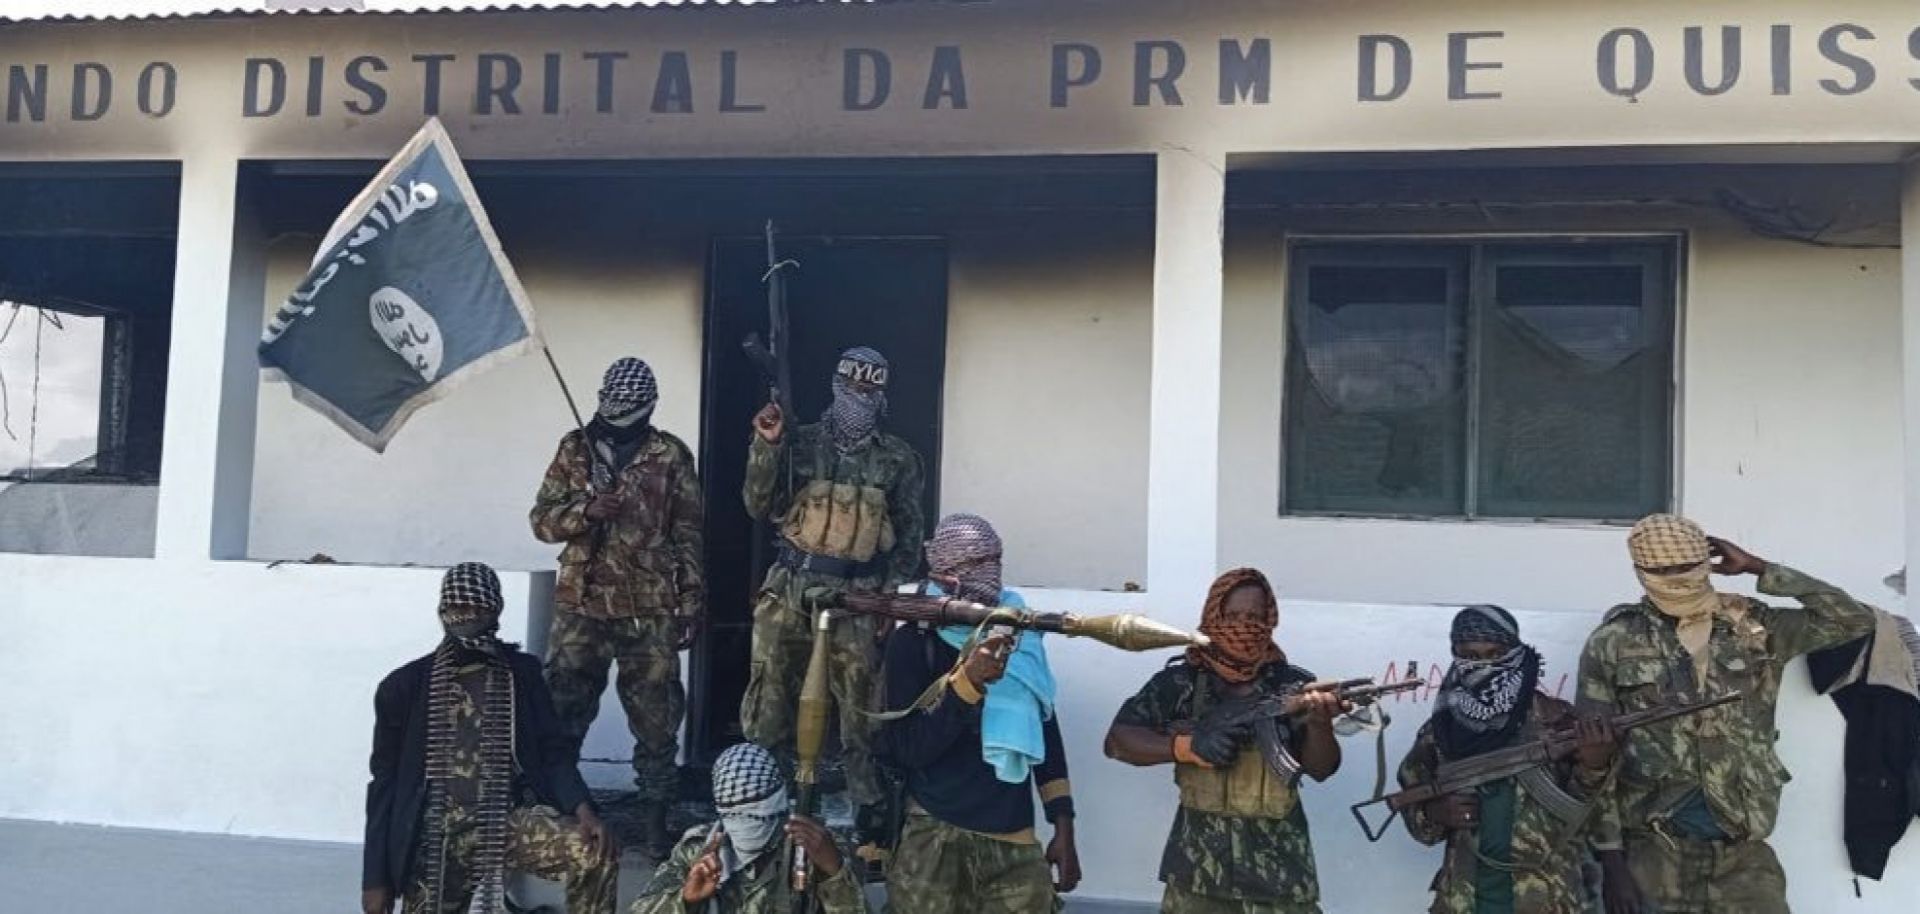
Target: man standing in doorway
[846,498]
[471,772]
[1683,829]
[625,499]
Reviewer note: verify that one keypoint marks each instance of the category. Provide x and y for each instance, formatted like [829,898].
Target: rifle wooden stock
[1500,764]
[1126,631]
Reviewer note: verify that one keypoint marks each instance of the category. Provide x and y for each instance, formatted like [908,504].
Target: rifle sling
[931,696]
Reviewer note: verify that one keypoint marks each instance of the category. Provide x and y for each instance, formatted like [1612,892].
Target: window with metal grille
[1527,379]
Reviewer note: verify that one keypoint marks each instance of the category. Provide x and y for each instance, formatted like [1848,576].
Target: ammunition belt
[495,793]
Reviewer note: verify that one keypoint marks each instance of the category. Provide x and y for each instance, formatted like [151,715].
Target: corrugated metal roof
[141,10]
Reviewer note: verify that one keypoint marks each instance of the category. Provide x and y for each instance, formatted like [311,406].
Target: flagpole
[565,391]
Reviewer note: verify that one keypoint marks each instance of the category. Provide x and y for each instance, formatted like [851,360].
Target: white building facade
[1408,305]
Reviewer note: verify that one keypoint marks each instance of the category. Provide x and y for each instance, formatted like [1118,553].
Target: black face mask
[618,434]
[472,628]
[1483,704]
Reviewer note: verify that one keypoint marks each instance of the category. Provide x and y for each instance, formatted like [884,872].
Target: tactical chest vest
[839,520]
[1245,788]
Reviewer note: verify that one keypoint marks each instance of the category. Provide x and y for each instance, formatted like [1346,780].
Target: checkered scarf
[1665,540]
[1482,704]
[750,794]
[628,392]
[854,416]
[1487,624]
[1241,647]
[966,547]
[470,605]
[1687,597]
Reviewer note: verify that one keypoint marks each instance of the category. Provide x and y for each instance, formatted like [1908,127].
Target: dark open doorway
[888,293]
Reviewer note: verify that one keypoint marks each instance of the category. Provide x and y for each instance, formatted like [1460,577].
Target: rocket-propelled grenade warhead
[1126,631]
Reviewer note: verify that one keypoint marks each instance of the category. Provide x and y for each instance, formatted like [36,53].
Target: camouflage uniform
[539,840]
[944,869]
[1720,761]
[783,612]
[1544,854]
[1218,863]
[621,586]
[762,889]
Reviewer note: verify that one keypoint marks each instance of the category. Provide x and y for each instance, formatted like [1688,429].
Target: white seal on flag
[407,329]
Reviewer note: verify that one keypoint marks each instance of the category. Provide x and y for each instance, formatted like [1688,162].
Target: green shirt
[1224,856]
[1634,661]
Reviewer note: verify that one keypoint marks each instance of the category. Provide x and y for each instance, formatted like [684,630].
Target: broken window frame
[116,363]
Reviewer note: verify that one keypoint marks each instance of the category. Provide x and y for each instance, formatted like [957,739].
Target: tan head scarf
[1241,646]
[1688,597]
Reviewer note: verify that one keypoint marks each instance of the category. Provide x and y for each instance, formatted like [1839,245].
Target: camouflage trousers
[940,869]
[782,645]
[1180,901]
[1707,877]
[579,651]
[540,842]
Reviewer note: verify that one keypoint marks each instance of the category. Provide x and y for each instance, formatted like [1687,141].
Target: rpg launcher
[1267,714]
[1500,764]
[1127,632]
[810,735]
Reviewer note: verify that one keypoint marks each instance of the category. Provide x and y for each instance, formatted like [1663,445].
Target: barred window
[1497,379]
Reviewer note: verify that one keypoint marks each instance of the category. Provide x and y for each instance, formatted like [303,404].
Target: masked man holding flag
[470,773]
[1513,846]
[625,499]
[1683,829]
[976,755]
[1239,843]
[740,864]
[846,499]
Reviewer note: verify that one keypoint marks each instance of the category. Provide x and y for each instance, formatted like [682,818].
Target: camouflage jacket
[647,562]
[1545,854]
[1224,856]
[888,463]
[1634,661]
[761,889]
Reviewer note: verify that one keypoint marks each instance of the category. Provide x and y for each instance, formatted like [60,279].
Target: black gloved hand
[1217,741]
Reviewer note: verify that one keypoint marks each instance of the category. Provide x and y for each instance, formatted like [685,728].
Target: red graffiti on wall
[1435,673]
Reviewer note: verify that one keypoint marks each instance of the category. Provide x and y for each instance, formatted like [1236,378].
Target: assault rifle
[1127,632]
[772,357]
[1500,764]
[1266,714]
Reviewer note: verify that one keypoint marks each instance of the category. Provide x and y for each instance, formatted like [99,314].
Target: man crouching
[740,863]
[470,772]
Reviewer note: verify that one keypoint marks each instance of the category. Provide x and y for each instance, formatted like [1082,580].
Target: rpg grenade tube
[810,734]
[1129,632]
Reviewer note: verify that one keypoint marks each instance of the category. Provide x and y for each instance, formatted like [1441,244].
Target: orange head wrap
[1242,645]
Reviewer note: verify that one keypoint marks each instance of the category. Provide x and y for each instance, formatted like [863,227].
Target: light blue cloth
[1011,738]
